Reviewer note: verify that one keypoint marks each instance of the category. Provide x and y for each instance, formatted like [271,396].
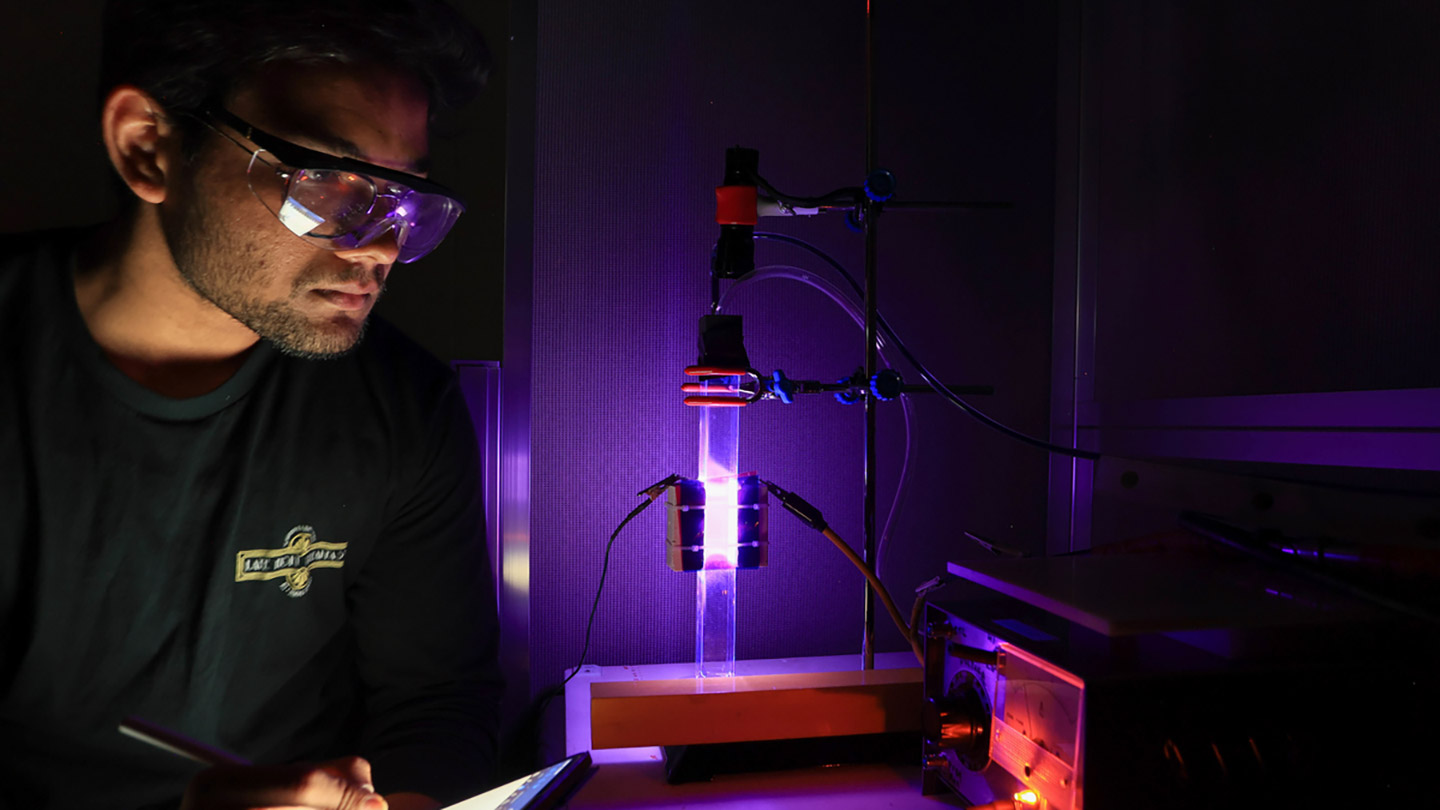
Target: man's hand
[341,784]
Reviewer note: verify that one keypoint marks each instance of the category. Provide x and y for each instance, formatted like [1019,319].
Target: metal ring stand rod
[871,212]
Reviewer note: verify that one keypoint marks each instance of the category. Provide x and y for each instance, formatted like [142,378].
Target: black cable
[1240,540]
[849,196]
[651,493]
[925,374]
[810,516]
[604,569]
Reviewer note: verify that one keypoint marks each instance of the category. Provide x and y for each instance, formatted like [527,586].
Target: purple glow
[719,462]
[721,540]
[1321,555]
[715,583]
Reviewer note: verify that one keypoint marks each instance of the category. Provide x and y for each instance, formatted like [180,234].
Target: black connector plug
[657,489]
[799,507]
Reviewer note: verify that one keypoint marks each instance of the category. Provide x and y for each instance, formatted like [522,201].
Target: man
[226,506]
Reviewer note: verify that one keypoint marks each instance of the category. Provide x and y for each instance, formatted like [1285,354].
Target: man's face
[229,248]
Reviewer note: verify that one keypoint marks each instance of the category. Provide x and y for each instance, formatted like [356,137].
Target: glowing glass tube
[715,583]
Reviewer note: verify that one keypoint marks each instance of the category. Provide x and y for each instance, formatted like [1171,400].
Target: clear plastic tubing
[834,293]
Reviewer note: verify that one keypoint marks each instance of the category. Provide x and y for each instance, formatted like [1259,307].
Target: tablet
[541,790]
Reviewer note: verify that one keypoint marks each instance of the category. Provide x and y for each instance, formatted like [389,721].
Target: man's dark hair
[190,54]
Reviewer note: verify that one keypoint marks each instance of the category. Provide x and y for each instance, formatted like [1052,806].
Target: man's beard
[226,270]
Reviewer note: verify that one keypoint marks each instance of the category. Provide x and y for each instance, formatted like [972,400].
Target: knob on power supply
[959,722]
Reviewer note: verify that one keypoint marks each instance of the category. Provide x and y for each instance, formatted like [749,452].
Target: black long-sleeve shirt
[290,567]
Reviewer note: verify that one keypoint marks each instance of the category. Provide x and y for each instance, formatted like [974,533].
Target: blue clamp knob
[880,185]
[854,221]
[887,385]
[849,396]
[782,388]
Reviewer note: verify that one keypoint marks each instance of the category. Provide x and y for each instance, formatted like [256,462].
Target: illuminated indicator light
[1028,797]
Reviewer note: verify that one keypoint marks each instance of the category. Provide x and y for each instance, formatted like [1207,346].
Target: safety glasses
[339,203]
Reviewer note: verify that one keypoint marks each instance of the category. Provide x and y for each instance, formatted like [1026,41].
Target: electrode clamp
[688,546]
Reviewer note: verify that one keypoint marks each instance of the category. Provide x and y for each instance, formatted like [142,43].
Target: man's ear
[143,145]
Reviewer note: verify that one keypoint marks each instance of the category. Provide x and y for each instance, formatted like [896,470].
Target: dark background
[1268,198]
[1248,190]
[55,169]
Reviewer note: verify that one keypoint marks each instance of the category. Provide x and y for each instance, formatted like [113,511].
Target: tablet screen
[542,789]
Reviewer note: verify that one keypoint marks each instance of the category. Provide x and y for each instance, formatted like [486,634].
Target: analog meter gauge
[1038,723]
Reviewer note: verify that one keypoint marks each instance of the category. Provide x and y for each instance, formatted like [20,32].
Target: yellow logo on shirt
[292,562]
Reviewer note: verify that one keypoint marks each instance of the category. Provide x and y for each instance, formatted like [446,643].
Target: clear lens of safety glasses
[342,210]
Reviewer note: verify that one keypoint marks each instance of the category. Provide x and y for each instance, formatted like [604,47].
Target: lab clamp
[717,522]
[726,377]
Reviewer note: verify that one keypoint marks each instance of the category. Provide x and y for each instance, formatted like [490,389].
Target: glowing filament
[721,515]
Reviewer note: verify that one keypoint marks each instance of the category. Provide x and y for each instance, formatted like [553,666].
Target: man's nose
[383,249]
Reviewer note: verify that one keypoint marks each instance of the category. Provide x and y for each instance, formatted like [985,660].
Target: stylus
[176,743]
